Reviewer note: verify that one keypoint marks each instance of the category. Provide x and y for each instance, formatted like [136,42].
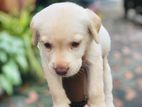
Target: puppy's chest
[76,86]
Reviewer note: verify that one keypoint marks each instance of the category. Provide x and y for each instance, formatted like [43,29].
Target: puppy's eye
[48,45]
[75,44]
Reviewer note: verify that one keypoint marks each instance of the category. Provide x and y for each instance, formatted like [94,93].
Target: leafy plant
[12,55]
[17,56]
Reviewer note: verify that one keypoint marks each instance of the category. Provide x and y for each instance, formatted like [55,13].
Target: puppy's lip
[61,73]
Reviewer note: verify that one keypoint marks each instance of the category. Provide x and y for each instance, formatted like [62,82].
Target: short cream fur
[60,25]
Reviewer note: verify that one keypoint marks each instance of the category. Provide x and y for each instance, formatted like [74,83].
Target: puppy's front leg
[56,90]
[108,83]
[54,81]
[95,78]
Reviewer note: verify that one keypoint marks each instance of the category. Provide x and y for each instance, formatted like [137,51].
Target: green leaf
[17,46]
[12,73]
[11,45]
[3,57]
[24,19]
[5,19]
[5,40]
[35,64]
[5,84]
[21,59]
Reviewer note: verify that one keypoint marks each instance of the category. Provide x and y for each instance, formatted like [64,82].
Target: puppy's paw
[62,105]
[97,105]
[61,102]
[110,104]
[86,105]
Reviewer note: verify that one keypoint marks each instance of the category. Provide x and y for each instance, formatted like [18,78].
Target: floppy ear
[94,25]
[35,34]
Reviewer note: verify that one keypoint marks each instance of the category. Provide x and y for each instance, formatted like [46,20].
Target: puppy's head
[63,32]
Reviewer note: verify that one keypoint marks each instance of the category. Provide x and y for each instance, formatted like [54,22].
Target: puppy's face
[63,33]
[63,52]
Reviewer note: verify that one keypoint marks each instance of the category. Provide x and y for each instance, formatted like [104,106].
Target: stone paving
[125,59]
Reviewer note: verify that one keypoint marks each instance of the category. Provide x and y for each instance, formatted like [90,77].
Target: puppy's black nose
[61,70]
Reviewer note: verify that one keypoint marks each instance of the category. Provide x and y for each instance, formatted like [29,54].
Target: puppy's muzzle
[61,70]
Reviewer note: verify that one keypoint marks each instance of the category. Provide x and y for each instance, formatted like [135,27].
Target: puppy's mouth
[83,69]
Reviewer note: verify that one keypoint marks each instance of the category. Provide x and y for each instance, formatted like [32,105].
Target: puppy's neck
[76,86]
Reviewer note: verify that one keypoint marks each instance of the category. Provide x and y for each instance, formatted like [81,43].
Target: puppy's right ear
[35,34]
[94,24]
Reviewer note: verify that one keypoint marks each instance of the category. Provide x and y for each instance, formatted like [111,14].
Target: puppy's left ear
[35,34]
[94,25]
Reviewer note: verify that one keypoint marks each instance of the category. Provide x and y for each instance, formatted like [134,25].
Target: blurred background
[22,83]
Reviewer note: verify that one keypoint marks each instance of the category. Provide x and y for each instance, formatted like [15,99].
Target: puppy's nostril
[61,70]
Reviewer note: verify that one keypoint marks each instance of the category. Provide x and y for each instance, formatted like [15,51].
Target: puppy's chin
[74,70]
[84,67]
[70,73]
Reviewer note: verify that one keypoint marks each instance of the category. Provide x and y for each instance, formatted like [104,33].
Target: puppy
[67,36]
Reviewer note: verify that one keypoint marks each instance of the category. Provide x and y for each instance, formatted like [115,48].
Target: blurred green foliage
[17,56]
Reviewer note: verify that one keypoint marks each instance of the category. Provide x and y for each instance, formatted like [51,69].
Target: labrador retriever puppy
[68,36]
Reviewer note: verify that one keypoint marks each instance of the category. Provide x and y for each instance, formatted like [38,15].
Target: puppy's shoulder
[105,40]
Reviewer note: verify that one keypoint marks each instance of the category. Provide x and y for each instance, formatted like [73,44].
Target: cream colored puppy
[67,36]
